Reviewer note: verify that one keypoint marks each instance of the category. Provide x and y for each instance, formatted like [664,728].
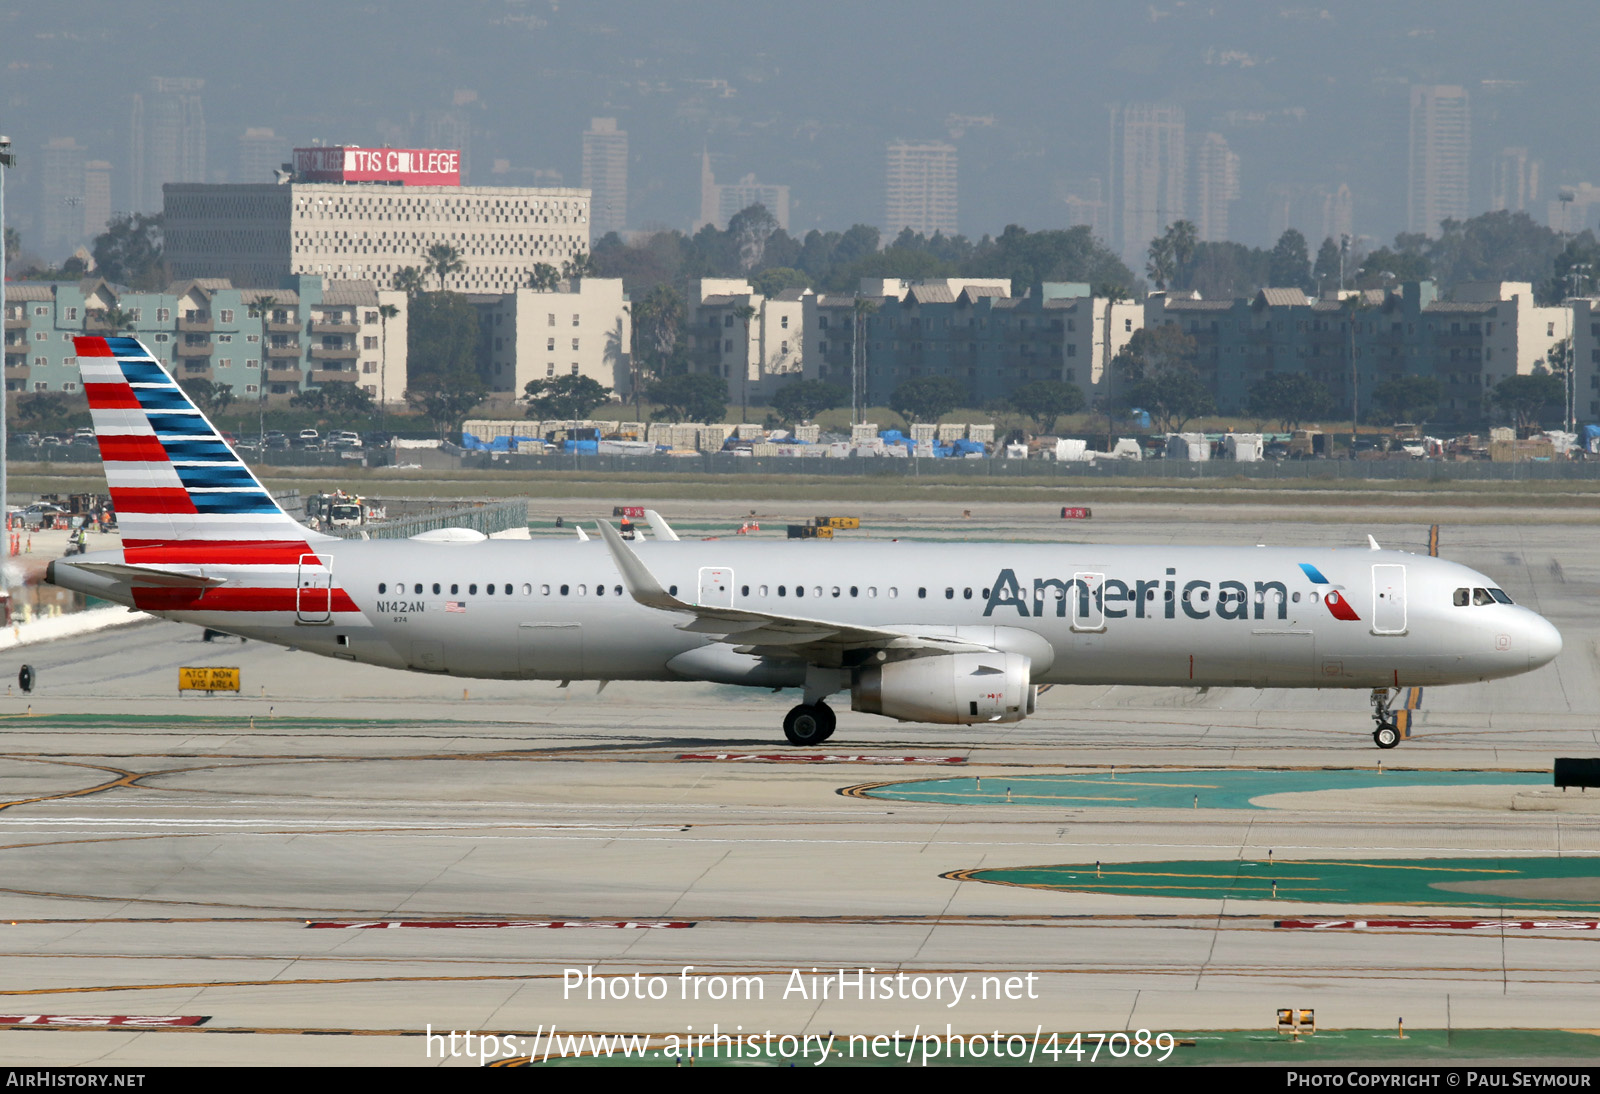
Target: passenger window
[454,589]
[922,594]
[544,590]
[782,589]
[435,588]
[417,588]
[583,590]
[799,590]
[1313,598]
[966,594]
[949,593]
[872,591]
[672,590]
[383,587]
[473,589]
[527,589]
[488,590]
[1296,598]
[744,590]
[1481,596]
[599,590]
[1461,598]
[894,592]
[853,591]
[564,589]
[616,590]
[816,590]
[836,590]
[763,590]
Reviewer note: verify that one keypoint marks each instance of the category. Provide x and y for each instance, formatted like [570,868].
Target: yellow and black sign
[838,522]
[208,678]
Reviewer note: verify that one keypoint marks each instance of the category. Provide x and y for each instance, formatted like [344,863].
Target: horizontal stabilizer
[151,575]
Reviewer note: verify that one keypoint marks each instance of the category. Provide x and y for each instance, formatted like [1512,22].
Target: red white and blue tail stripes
[186,503]
[173,479]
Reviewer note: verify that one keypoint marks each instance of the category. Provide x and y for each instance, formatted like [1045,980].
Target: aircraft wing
[766,634]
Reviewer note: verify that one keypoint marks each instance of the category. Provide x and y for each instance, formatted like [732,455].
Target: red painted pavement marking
[1439,924]
[379,924]
[101,1020]
[818,758]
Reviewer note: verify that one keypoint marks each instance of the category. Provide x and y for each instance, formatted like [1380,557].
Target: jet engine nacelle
[952,689]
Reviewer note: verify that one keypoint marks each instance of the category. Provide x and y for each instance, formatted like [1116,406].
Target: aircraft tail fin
[173,479]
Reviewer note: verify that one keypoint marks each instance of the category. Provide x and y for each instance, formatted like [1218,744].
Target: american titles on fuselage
[1089,597]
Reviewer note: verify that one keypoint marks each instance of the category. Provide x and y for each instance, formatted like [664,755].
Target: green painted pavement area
[1565,884]
[1376,1047]
[1214,789]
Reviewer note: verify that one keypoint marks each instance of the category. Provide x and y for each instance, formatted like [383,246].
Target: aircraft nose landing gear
[1387,735]
[809,724]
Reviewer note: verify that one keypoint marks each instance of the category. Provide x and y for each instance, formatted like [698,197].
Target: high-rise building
[166,140]
[96,197]
[61,197]
[1147,175]
[1515,182]
[721,200]
[261,152]
[920,188]
[1319,211]
[1441,144]
[1216,186]
[605,175]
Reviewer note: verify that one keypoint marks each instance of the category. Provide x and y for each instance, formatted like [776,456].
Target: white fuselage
[1169,616]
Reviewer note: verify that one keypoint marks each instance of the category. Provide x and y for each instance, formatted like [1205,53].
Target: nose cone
[1542,641]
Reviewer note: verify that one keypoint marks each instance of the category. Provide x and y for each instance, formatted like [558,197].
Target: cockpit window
[1463,597]
[1499,594]
[1481,596]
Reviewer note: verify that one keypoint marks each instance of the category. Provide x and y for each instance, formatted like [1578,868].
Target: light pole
[1577,274]
[8,158]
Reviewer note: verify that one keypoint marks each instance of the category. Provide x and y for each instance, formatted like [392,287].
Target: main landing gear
[1387,735]
[809,724]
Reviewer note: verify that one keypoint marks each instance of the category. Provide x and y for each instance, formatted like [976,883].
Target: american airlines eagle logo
[1334,598]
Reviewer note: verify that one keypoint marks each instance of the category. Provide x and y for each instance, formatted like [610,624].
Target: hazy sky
[807,93]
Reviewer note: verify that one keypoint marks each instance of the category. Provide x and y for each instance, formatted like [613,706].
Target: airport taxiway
[165,856]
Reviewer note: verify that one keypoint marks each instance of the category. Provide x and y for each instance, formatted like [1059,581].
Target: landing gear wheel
[1386,736]
[829,720]
[808,725]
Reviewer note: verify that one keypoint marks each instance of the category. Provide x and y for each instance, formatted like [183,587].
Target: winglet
[660,527]
[641,583]
[1373,543]
[583,537]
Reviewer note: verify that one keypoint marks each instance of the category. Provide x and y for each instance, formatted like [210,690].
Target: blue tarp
[473,443]
[963,448]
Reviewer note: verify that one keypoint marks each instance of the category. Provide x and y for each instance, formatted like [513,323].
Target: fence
[486,517]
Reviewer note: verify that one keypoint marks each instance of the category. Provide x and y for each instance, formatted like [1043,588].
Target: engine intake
[950,689]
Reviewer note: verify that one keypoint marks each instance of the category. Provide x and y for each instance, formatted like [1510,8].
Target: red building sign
[407,166]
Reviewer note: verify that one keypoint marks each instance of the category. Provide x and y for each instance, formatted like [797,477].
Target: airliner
[952,634]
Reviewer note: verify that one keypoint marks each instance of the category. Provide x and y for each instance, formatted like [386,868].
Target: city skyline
[1304,100]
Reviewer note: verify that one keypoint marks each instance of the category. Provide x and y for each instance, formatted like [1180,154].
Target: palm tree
[544,277]
[386,312]
[858,358]
[409,280]
[117,319]
[444,260]
[744,313]
[579,265]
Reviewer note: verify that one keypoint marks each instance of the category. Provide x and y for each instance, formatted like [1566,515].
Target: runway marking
[119,1020]
[1342,881]
[553,924]
[124,778]
[1438,925]
[1234,788]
